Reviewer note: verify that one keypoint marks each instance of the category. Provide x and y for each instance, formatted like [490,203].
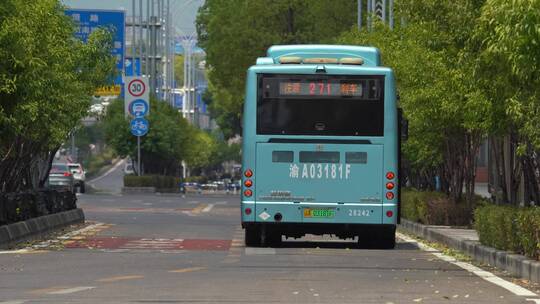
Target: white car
[79,175]
[128,168]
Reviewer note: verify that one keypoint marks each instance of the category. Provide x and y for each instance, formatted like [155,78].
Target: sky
[184,11]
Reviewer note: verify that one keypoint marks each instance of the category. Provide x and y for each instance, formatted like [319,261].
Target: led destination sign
[320,89]
[369,89]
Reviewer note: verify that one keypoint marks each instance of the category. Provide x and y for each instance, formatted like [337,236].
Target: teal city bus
[320,146]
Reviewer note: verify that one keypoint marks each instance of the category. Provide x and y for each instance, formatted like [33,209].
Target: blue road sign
[138,108]
[139,126]
[133,69]
[114,20]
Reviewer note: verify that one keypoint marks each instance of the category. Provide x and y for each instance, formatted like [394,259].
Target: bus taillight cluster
[390,185]
[248,183]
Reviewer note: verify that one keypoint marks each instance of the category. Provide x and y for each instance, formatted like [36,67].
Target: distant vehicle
[321,146]
[190,187]
[60,177]
[97,109]
[79,175]
[128,168]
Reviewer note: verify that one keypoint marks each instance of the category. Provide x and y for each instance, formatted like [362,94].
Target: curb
[35,228]
[515,264]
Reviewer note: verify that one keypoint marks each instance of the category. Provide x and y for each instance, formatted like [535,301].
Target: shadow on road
[340,245]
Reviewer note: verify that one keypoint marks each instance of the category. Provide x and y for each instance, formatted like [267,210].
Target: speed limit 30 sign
[137,90]
[136,87]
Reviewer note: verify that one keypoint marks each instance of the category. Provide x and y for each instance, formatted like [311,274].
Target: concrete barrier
[517,265]
[35,228]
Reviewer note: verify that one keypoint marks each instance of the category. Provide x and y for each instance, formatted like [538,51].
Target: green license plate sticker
[319,213]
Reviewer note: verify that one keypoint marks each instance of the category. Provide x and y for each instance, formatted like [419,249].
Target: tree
[44,90]
[507,67]
[163,148]
[448,114]
[234,33]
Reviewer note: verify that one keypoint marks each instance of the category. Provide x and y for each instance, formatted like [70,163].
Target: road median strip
[37,227]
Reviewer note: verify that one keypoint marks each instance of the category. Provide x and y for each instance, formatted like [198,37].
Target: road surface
[174,249]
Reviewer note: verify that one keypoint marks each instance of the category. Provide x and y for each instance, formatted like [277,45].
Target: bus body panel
[344,195]
[342,181]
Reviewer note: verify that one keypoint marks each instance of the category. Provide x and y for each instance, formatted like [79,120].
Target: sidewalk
[466,240]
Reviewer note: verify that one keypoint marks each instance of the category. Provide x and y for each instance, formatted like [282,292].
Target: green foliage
[94,163]
[434,208]
[509,228]
[165,145]
[179,69]
[157,181]
[234,33]
[46,79]
[508,39]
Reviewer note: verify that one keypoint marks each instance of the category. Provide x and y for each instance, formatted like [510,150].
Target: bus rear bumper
[309,213]
[298,230]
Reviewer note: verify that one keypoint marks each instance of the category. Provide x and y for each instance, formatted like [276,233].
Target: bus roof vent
[265,60]
[320,60]
[290,60]
[350,60]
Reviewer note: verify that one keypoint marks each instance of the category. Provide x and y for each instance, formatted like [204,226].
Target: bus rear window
[320,105]
[319,157]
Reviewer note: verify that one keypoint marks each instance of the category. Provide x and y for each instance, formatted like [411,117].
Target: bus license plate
[319,213]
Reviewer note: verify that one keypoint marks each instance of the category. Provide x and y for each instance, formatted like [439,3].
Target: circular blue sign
[139,126]
[138,108]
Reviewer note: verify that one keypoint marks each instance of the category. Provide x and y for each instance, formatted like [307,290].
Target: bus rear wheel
[387,237]
[252,236]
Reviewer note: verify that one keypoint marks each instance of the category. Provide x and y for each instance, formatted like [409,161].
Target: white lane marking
[260,251]
[118,164]
[221,203]
[208,208]
[486,275]
[80,231]
[70,290]
[193,202]
[14,302]
[536,301]
[25,250]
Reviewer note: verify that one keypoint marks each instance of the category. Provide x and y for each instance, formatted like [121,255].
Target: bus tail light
[389,195]
[247,211]
[248,193]
[390,185]
[67,174]
[248,183]
[390,175]
[248,173]
[389,213]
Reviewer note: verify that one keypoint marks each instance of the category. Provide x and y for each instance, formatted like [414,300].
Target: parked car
[79,175]
[128,168]
[60,177]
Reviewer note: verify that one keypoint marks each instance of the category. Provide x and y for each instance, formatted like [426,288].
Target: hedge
[434,208]
[509,228]
[21,206]
[157,181]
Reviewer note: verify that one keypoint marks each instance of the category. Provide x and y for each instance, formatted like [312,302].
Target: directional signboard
[137,101]
[88,21]
[139,126]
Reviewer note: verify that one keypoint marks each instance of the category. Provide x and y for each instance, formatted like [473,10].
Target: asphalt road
[174,249]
